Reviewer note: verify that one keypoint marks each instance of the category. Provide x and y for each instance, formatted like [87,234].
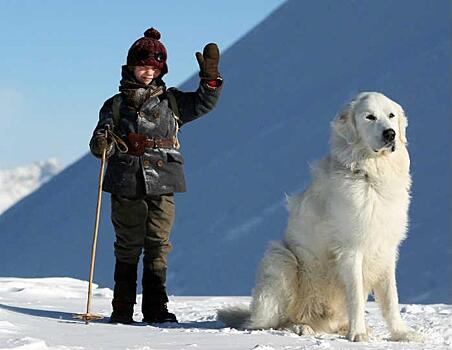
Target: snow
[37,314]
[16,183]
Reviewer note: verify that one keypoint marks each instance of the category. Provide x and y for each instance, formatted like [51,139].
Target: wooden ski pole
[88,316]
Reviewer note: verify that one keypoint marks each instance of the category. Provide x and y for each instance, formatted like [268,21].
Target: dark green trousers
[143,225]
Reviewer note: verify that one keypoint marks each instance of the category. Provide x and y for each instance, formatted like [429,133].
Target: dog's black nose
[389,135]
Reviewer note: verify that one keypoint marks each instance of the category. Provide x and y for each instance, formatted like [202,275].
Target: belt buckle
[157,142]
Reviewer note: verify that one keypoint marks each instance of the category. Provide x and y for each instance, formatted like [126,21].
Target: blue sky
[61,59]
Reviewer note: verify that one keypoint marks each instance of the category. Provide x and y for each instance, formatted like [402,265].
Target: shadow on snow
[69,317]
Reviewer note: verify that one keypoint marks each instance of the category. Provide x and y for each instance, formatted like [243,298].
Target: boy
[146,168]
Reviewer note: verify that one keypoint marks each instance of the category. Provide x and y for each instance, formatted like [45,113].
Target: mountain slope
[284,82]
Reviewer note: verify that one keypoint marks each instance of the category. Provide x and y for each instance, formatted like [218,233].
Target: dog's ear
[403,123]
[344,125]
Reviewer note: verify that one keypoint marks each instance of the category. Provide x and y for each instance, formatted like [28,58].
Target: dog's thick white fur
[343,233]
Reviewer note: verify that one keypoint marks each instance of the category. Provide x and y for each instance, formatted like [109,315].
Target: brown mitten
[208,62]
[98,144]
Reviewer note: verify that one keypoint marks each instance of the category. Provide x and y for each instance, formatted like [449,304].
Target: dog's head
[373,120]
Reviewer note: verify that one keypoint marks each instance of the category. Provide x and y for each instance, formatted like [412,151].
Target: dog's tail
[234,316]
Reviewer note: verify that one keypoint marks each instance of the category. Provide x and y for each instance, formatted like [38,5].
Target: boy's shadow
[58,315]
[67,317]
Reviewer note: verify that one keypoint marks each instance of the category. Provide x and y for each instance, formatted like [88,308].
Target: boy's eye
[391,115]
[371,117]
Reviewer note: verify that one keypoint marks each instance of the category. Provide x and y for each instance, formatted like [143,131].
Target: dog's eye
[391,115]
[371,117]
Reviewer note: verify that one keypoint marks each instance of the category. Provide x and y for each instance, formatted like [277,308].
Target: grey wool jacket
[147,111]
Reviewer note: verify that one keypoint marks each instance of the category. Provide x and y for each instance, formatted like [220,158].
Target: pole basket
[87,317]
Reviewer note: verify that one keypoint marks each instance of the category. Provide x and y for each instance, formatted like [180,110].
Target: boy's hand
[208,62]
[99,143]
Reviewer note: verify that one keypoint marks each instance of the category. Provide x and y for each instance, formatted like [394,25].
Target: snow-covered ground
[18,182]
[37,314]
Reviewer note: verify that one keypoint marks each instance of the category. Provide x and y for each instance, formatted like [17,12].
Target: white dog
[343,233]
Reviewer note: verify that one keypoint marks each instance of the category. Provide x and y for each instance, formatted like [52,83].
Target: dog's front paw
[407,335]
[302,329]
[357,337]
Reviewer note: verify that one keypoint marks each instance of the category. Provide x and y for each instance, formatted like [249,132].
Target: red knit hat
[148,51]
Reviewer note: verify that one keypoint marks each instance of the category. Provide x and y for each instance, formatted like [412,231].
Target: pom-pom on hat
[148,51]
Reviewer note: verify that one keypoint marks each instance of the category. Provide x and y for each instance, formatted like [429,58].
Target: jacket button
[160,163]
[146,163]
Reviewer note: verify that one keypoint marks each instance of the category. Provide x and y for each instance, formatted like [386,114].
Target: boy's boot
[125,292]
[155,298]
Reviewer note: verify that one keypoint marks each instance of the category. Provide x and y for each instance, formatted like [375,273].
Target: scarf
[136,93]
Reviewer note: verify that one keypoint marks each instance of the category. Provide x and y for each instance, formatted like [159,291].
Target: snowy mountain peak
[18,182]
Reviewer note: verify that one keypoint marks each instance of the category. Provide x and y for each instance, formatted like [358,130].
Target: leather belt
[139,142]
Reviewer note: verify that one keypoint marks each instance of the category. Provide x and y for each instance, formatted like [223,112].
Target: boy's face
[145,74]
